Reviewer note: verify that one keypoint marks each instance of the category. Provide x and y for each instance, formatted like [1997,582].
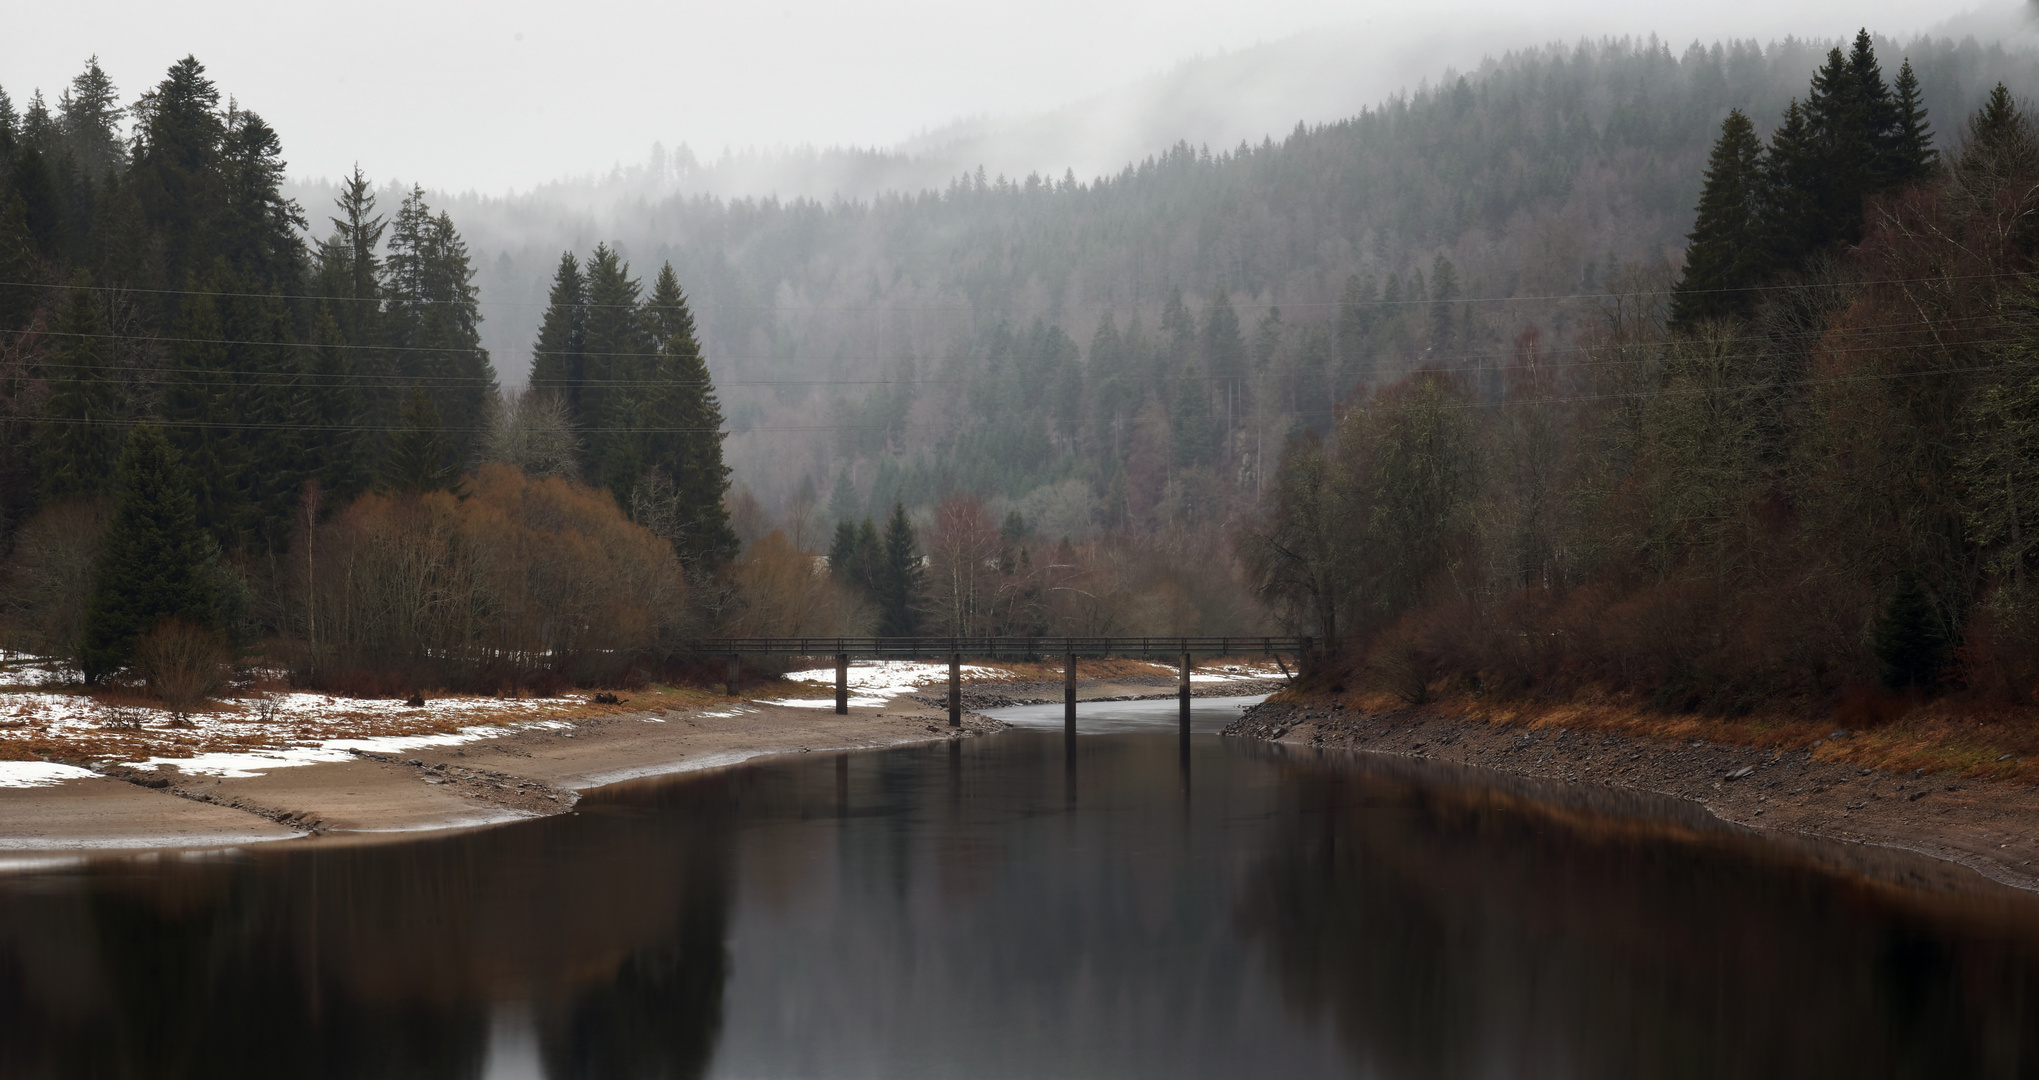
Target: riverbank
[1807,787]
[91,770]
[472,777]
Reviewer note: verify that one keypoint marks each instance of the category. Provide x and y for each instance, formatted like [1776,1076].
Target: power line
[964,306]
[1553,399]
[1467,359]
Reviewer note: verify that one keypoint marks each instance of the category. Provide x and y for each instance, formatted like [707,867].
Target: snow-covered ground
[1235,673]
[248,735]
[874,682]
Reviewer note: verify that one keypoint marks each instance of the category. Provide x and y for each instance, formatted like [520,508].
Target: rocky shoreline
[1991,827]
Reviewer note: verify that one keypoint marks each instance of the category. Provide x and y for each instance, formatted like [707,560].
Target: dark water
[1003,908]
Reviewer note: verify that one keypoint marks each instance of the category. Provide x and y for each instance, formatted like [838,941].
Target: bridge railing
[998,646]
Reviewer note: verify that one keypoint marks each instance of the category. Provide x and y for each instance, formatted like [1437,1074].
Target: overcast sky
[422,89]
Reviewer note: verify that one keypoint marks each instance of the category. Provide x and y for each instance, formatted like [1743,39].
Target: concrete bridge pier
[1069,694]
[734,671]
[842,684]
[1182,695]
[955,689]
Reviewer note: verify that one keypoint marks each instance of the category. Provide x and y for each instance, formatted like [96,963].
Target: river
[1136,906]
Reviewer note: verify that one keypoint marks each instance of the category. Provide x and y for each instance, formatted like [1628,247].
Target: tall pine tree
[900,578]
[80,441]
[155,563]
[556,357]
[1724,258]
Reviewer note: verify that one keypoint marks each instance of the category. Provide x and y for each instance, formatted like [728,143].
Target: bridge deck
[1000,646]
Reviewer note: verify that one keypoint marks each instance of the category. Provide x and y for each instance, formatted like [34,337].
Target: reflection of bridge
[1070,648]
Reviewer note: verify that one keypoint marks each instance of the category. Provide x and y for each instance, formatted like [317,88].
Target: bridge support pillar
[1182,695]
[1069,694]
[734,670]
[1305,657]
[955,689]
[842,684]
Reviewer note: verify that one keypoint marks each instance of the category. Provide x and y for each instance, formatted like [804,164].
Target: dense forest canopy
[852,336]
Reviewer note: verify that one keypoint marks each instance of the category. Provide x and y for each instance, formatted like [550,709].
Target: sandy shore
[525,772]
[1991,827]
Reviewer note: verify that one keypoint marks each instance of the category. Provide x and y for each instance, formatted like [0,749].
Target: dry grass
[1951,735]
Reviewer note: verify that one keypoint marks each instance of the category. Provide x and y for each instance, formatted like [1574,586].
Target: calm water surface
[1006,907]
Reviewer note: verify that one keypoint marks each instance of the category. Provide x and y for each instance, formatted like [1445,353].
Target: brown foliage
[522,577]
[182,665]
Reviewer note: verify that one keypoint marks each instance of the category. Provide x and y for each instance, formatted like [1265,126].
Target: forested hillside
[1800,469]
[215,429]
[889,340]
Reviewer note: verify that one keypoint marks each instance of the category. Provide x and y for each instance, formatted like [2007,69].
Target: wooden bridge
[955,649]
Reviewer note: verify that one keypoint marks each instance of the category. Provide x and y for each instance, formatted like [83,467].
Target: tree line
[215,427]
[1798,466]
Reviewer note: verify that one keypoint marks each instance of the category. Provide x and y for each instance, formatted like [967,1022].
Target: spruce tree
[155,563]
[176,170]
[1724,258]
[343,444]
[842,550]
[899,584]
[20,264]
[207,402]
[1912,157]
[1791,214]
[615,366]
[680,424]
[420,459]
[1910,643]
[1225,359]
[556,357]
[80,446]
[89,115]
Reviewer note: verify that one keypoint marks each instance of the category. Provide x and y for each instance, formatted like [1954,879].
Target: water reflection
[969,909]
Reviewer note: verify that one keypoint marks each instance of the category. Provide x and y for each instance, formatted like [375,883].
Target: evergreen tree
[20,264]
[614,364]
[899,585]
[1911,644]
[89,115]
[432,321]
[176,170]
[842,551]
[556,357]
[341,416]
[420,459]
[1225,359]
[1724,258]
[258,227]
[155,563]
[1792,222]
[8,136]
[1350,336]
[349,269]
[206,401]
[1911,154]
[80,444]
[42,203]
[843,504]
[679,430]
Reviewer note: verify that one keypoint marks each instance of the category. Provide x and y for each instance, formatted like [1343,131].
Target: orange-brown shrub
[182,664]
[522,579]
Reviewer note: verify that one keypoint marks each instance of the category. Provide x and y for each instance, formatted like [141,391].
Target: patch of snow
[243,764]
[889,678]
[856,701]
[39,773]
